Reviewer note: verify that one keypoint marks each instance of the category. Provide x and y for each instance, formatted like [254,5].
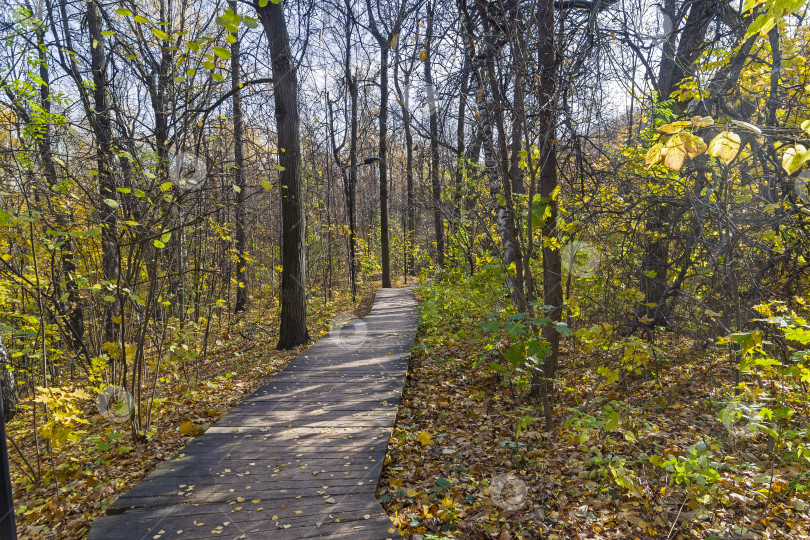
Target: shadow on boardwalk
[299,458]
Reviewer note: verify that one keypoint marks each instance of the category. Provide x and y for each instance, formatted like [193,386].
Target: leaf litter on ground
[456,468]
[82,477]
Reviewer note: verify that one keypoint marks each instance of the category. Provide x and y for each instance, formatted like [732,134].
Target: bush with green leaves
[525,348]
[697,466]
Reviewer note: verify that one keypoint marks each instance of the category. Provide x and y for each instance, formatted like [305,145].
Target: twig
[591,393]
[33,475]
[675,521]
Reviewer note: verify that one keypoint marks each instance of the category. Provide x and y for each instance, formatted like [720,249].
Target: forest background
[607,201]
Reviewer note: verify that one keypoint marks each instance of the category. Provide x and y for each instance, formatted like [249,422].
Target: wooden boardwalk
[299,458]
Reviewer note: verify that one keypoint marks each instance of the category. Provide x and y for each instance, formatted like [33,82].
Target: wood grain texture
[299,458]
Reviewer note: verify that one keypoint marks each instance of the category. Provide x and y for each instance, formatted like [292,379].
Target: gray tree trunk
[293,331]
[239,178]
[410,219]
[552,260]
[435,180]
[102,128]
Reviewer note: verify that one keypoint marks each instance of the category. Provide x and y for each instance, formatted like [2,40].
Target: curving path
[299,458]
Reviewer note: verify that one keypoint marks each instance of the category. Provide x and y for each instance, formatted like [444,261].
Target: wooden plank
[359,404]
[330,410]
[326,418]
[157,496]
[308,447]
[376,527]
[345,507]
[279,480]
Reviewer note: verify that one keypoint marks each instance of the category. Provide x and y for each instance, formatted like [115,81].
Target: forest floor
[80,478]
[459,465]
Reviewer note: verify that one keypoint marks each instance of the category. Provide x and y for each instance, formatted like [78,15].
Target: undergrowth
[651,439]
[64,481]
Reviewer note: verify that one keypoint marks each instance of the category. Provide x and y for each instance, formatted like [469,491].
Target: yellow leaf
[424,439]
[675,127]
[725,146]
[423,55]
[694,145]
[674,152]
[160,34]
[186,428]
[702,121]
[794,157]
[653,154]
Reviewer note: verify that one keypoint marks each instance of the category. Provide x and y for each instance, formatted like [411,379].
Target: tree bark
[8,383]
[293,331]
[461,165]
[384,42]
[72,309]
[497,163]
[239,177]
[351,82]
[552,260]
[383,166]
[102,127]
[435,178]
[676,65]
[410,211]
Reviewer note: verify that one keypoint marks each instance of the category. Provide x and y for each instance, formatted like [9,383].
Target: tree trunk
[293,331]
[351,82]
[435,179]
[515,172]
[383,165]
[353,188]
[8,383]
[461,165]
[676,65]
[239,177]
[72,308]
[552,260]
[405,102]
[497,166]
[102,127]
[159,85]
[384,42]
